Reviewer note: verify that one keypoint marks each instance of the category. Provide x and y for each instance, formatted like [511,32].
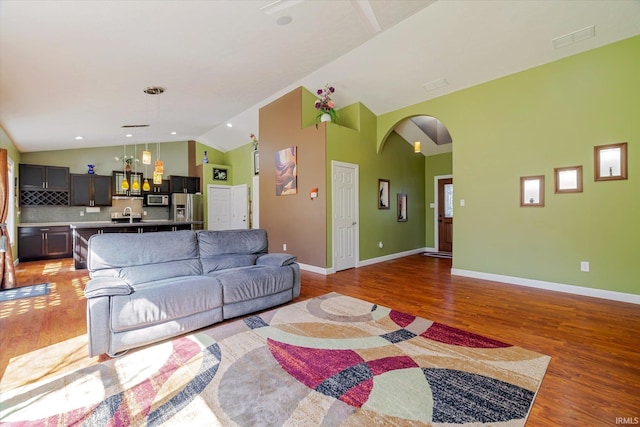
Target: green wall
[527,124]
[173,154]
[397,163]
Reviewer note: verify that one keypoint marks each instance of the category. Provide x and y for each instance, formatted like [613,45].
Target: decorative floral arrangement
[254,141]
[127,161]
[325,104]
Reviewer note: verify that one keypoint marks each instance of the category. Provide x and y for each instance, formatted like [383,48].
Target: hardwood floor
[593,378]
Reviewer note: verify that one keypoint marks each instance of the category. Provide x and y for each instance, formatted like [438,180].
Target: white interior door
[345,231]
[218,207]
[239,205]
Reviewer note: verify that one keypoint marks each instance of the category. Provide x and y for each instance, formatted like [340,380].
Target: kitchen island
[82,231]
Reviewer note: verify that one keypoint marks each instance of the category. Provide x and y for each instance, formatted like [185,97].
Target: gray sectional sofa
[151,286]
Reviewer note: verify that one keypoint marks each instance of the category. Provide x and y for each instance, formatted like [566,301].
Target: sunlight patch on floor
[45,362]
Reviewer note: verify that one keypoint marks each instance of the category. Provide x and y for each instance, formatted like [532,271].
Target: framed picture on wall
[383,193]
[610,162]
[287,171]
[532,191]
[256,162]
[220,174]
[402,207]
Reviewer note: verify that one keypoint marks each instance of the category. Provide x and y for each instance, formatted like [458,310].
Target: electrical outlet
[584,266]
[81,213]
[284,247]
[380,244]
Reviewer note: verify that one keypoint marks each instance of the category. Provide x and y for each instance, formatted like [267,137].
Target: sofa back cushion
[145,257]
[220,250]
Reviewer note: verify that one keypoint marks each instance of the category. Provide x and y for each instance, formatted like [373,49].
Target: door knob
[353,223]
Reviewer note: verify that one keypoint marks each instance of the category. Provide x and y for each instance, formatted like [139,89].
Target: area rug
[24,292]
[329,361]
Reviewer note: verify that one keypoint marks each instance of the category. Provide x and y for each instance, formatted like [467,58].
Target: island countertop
[143,223]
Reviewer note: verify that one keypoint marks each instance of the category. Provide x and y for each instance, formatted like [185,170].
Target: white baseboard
[314,269]
[370,261]
[560,287]
[389,257]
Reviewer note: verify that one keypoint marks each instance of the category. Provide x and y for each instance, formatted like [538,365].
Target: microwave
[157,200]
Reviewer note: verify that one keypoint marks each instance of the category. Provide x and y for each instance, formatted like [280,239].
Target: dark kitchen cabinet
[40,177]
[90,190]
[36,243]
[185,184]
[44,185]
[163,188]
[119,176]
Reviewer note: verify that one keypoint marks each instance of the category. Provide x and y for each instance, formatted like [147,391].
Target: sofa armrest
[106,286]
[276,260]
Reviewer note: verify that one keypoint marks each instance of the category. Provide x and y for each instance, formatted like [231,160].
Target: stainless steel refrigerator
[187,208]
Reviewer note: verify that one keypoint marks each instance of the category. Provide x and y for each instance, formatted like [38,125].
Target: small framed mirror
[532,191]
[610,162]
[568,179]
[402,207]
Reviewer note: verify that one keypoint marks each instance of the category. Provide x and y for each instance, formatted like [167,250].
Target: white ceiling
[78,68]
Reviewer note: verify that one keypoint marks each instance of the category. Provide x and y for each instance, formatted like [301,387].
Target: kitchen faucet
[124,213]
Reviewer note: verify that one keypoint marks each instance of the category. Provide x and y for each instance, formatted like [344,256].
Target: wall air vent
[574,37]
[435,84]
[135,126]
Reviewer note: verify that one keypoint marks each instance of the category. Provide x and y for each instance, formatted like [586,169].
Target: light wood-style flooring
[593,378]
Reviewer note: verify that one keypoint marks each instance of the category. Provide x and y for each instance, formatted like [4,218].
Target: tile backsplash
[40,214]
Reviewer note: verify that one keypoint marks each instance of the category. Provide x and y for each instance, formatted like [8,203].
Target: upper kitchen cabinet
[44,185]
[90,190]
[39,177]
[163,188]
[185,184]
[133,179]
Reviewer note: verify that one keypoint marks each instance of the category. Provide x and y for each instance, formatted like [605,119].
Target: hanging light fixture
[135,181]
[146,155]
[124,184]
[146,160]
[159,168]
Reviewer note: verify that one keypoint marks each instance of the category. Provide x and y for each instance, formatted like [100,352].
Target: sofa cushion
[140,258]
[221,262]
[212,243]
[276,260]
[164,300]
[246,283]
[126,249]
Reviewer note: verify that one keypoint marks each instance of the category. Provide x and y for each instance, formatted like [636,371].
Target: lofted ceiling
[79,68]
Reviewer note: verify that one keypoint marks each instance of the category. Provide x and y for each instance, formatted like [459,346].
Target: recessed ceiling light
[284,20]
[229,125]
[129,135]
[173,133]
[79,138]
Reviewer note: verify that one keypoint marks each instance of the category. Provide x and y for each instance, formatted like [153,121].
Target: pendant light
[146,155]
[135,182]
[159,167]
[125,184]
[146,160]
